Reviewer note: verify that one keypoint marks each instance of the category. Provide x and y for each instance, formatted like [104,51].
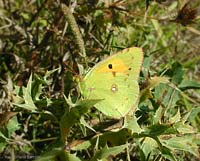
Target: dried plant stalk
[75,29]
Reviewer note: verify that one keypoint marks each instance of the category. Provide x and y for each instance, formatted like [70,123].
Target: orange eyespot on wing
[116,65]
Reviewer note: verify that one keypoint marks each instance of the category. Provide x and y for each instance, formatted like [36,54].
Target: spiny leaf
[106,152]
[29,104]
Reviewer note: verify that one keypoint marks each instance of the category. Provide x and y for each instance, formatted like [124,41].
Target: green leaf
[176,117]
[75,113]
[171,97]
[158,129]
[168,95]
[159,30]
[29,104]
[48,73]
[167,153]
[151,84]
[71,157]
[176,73]
[158,115]
[148,146]
[114,138]
[133,125]
[184,128]
[183,143]
[57,154]
[194,113]
[39,82]
[2,145]
[81,145]
[49,156]
[25,15]
[106,152]
[189,84]
[3,136]
[37,86]
[13,125]
[151,147]
[85,124]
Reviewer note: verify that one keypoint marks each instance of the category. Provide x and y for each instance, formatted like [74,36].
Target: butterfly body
[114,80]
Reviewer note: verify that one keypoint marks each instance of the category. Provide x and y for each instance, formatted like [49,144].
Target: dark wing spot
[110,66]
[114,73]
[129,68]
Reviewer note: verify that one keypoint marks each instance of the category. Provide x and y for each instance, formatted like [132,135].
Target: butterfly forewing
[115,81]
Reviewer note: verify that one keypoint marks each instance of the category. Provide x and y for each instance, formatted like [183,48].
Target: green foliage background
[47,46]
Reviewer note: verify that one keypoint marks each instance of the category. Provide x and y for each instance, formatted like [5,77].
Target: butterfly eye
[110,66]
